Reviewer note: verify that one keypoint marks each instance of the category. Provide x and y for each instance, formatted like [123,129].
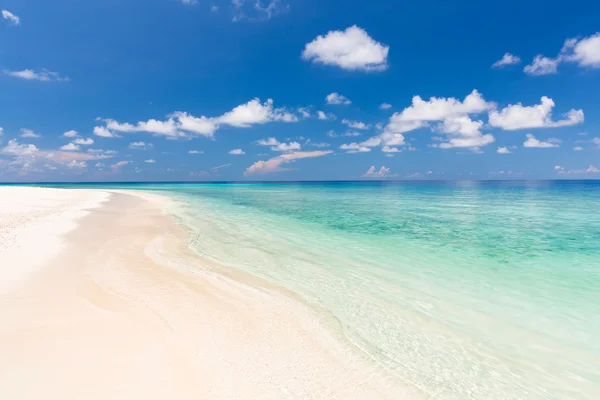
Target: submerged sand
[115,306]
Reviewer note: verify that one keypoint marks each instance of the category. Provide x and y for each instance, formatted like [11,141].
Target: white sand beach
[100,298]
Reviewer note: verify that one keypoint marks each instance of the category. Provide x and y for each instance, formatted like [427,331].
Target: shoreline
[126,310]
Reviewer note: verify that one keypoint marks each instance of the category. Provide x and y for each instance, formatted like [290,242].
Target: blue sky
[164,78]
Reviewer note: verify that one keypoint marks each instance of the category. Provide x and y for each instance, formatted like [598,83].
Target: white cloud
[42,75]
[373,173]
[385,106]
[463,132]
[237,152]
[585,52]
[1,131]
[166,128]
[100,165]
[355,124]
[104,132]
[351,134]
[589,170]
[70,147]
[352,49]
[517,116]
[336,98]
[274,164]
[503,150]
[14,148]
[200,125]
[319,145]
[355,148]
[438,109]
[577,148]
[151,161]
[140,145]
[388,149]
[507,59]
[189,2]
[195,152]
[542,66]
[254,10]
[70,134]
[83,141]
[325,117]
[12,18]
[278,146]
[535,143]
[253,112]
[214,9]
[453,113]
[304,112]
[77,164]
[28,133]
[242,116]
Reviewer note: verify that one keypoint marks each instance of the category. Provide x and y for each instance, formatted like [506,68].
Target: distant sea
[464,290]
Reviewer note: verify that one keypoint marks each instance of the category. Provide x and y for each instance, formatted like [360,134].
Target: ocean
[463,290]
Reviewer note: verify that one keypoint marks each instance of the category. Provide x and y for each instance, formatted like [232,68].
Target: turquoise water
[463,290]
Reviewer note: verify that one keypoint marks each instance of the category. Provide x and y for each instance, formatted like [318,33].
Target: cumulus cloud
[372,172]
[503,150]
[70,134]
[535,143]
[189,2]
[10,17]
[304,112]
[28,133]
[585,52]
[70,147]
[195,152]
[243,116]
[577,148]
[385,106]
[355,148]
[150,161]
[453,114]
[278,146]
[31,75]
[253,112]
[542,66]
[14,148]
[591,169]
[517,116]
[274,164]
[77,164]
[237,152]
[140,145]
[352,49]
[355,124]
[336,98]
[199,125]
[102,131]
[325,117]
[85,142]
[507,59]
[166,128]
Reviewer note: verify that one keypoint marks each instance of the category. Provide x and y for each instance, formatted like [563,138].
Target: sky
[245,90]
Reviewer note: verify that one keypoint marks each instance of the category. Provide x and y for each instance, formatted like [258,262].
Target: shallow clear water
[463,290]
